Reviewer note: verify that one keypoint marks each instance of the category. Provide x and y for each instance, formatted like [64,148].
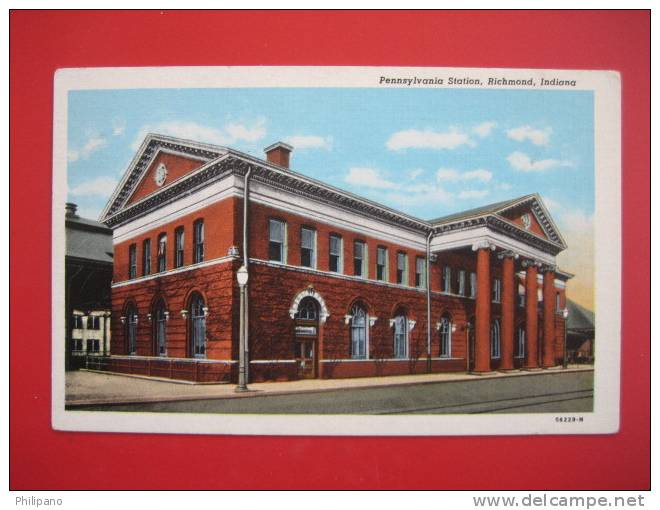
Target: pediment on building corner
[159,162]
[530,214]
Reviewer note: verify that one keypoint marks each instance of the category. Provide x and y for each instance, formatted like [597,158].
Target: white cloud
[428,139]
[118,127]
[91,213]
[369,177]
[552,205]
[309,142]
[536,136]
[93,144]
[473,193]
[229,134]
[504,186]
[484,129]
[99,187]
[413,174]
[451,175]
[521,161]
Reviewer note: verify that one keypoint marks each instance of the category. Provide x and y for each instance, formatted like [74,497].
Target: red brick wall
[177,167]
[516,217]
[220,232]
[215,283]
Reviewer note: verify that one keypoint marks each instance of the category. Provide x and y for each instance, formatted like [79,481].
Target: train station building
[337,285]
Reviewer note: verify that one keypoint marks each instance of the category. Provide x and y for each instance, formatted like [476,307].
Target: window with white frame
[359,332]
[335,262]
[178,247]
[132,261]
[93,322]
[473,285]
[131,329]
[400,336]
[557,302]
[162,252]
[307,247]
[402,268]
[461,282]
[382,265]
[495,340]
[521,295]
[497,290]
[160,329]
[445,336]
[146,257]
[276,241]
[198,241]
[197,327]
[519,351]
[446,279]
[420,272]
[360,259]
[77,344]
[77,322]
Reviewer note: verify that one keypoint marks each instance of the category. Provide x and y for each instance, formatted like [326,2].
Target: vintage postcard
[336,251]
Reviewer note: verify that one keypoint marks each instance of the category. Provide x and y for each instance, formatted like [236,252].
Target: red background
[41,42]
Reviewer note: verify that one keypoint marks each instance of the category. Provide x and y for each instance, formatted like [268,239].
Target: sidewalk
[87,387]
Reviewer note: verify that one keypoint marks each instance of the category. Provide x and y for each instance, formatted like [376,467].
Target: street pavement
[520,392]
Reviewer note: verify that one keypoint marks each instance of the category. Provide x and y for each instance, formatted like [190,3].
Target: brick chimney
[279,154]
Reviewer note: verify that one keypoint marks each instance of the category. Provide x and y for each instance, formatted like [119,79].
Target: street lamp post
[242,277]
[564,314]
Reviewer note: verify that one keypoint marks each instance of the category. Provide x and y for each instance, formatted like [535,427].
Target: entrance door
[306,335]
[306,358]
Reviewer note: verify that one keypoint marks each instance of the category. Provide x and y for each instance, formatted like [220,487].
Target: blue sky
[426,152]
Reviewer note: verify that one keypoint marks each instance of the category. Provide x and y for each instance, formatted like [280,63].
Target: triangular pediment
[530,214]
[159,162]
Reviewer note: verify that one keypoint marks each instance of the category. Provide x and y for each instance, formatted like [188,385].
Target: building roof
[579,318]
[477,211]
[88,239]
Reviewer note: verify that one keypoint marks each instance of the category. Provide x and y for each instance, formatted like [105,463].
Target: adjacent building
[339,286]
[88,272]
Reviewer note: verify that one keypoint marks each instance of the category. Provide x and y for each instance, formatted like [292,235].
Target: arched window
[308,310]
[160,332]
[445,336]
[520,342]
[400,336]
[131,329]
[359,332]
[495,340]
[197,327]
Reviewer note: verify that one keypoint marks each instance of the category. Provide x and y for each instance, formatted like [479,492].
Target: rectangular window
[461,282]
[276,240]
[473,285]
[359,259]
[146,257]
[497,290]
[77,344]
[381,264]
[162,253]
[307,247]
[198,242]
[557,302]
[93,322]
[420,272]
[521,296]
[132,261]
[335,262]
[92,345]
[446,279]
[402,268]
[178,247]
[77,322]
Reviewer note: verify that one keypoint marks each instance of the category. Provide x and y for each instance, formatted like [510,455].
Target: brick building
[339,286]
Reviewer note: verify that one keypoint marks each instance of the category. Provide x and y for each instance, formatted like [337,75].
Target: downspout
[428,301]
[246,261]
